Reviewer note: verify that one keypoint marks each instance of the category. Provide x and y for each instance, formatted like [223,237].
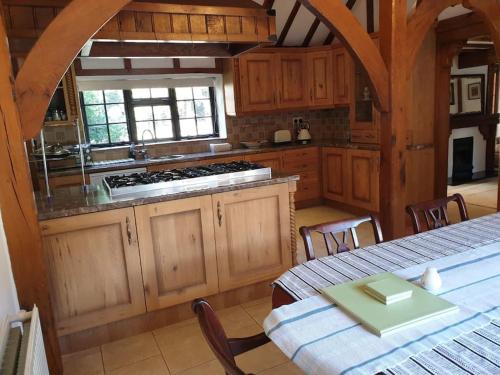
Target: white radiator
[21,345]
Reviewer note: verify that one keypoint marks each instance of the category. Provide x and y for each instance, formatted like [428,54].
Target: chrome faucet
[144,148]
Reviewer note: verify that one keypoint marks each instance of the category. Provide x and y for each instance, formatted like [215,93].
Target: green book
[387,291]
[380,318]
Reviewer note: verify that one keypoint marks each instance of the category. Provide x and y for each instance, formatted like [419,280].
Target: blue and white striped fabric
[322,339]
[307,279]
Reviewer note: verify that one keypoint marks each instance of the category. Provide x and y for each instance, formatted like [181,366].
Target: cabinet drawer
[301,160]
[364,136]
[308,187]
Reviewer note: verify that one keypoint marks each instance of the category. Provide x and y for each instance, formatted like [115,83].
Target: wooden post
[19,211]
[393,34]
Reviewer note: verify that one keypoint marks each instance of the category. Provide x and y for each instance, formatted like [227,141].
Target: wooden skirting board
[158,319]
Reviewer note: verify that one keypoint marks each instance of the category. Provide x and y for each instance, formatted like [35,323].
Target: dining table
[321,338]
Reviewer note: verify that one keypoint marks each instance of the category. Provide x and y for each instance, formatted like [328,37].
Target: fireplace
[463,151]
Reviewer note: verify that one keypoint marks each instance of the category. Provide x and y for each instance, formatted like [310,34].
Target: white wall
[8,295]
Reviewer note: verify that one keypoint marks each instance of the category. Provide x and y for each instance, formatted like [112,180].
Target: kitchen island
[121,265]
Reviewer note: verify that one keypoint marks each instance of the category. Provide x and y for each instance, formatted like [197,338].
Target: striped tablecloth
[304,330]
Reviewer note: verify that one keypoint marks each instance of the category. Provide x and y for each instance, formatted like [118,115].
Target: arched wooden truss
[337,16]
[52,55]
[427,11]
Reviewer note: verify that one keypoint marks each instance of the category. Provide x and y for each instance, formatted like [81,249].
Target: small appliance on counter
[220,147]
[303,134]
[282,137]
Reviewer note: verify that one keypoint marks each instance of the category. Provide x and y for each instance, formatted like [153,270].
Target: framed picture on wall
[474,91]
[452,93]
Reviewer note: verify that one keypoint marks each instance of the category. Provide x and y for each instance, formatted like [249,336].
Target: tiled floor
[181,348]
[482,193]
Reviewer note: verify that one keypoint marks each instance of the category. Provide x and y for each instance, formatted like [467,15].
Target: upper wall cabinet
[342,69]
[319,67]
[291,74]
[257,82]
[262,82]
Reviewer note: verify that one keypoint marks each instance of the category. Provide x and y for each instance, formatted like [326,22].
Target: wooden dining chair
[435,213]
[224,349]
[338,232]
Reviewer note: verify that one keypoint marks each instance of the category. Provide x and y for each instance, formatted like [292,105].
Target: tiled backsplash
[326,125]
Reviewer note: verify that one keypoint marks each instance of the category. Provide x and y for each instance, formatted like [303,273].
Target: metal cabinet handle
[219,214]
[129,231]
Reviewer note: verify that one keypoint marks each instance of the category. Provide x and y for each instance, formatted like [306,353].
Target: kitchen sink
[167,157]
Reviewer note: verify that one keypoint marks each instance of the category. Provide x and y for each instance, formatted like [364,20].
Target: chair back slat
[435,213]
[339,232]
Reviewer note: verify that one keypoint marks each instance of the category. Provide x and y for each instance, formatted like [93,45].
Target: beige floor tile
[255,302]
[86,362]
[151,366]
[233,319]
[183,346]
[128,351]
[208,368]
[288,368]
[262,358]
[259,311]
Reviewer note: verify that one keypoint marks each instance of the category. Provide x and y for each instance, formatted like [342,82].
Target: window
[104,116]
[117,116]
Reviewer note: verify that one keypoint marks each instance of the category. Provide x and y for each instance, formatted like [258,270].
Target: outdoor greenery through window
[124,116]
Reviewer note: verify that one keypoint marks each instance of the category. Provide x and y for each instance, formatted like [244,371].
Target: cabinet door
[177,251]
[252,235]
[363,172]
[342,70]
[319,65]
[257,82]
[291,80]
[267,159]
[94,269]
[334,174]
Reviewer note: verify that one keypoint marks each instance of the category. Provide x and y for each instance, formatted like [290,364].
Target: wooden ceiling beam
[370,16]
[310,33]
[131,49]
[331,36]
[288,23]
[268,4]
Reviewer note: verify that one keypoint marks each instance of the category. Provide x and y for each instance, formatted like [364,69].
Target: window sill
[148,144]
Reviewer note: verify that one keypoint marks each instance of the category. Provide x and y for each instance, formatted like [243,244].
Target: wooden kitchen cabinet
[291,79]
[94,269]
[342,80]
[363,183]
[257,82]
[267,159]
[177,251]
[351,176]
[252,235]
[335,173]
[306,163]
[320,78]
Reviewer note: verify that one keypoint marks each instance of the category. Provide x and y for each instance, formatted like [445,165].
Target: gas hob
[187,179]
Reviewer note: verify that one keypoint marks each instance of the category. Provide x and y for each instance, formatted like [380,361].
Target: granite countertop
[205,156]
[71,201]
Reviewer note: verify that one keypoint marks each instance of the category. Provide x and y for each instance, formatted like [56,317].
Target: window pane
[95,114]
[98,134]
[188,128]
[116,113]
[159,93]
[113,96]
[93,97]
[164,129]
[203,108]
[186,109]
[118,133]
[141,127]
[141,93]
[184,93]
[162,112]
[143,113]
[201,93]
[205,126]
